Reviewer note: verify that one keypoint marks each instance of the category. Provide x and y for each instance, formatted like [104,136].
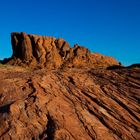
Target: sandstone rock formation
[42,51]
[77,99]
[70,104]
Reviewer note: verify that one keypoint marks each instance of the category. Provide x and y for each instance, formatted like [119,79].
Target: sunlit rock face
[42,51]
[53,92]
[69,104]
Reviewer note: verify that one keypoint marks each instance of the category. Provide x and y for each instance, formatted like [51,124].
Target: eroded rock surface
[72,96]
[41,51]
[69,104]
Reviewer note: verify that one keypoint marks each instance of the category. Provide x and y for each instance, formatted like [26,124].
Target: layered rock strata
[70,104]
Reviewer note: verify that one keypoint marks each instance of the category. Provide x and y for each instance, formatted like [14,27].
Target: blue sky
[111,27]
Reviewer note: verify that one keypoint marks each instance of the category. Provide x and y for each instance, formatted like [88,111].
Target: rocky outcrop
[42,51]
[77,99]
[69,104]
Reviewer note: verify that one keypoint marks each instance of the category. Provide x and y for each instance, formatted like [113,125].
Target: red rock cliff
[42,51]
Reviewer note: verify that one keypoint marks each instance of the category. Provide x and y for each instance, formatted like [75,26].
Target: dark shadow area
[5,60]
[134,66]
[48,134]
[114,67]
[71,80]
[5,108]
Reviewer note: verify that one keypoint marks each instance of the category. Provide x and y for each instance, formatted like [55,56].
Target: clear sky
[111,27]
